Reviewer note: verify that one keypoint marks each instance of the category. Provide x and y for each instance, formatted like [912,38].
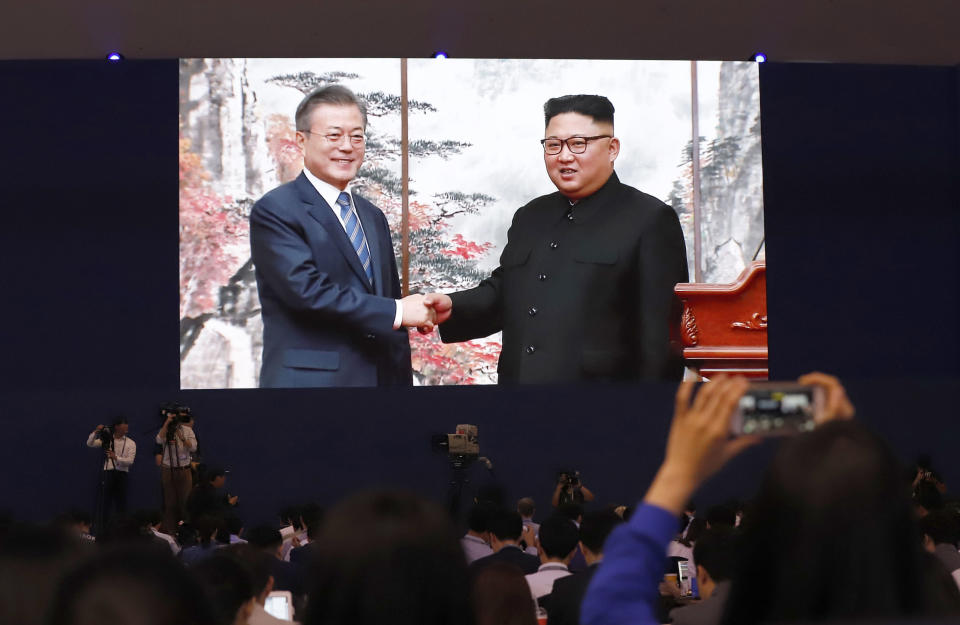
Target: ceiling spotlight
[439,54]
[759,57]
[114,56]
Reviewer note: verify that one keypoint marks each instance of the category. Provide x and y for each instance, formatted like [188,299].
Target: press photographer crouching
[178,442]
[119,452]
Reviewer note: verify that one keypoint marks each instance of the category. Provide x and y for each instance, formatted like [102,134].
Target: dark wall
[861,180]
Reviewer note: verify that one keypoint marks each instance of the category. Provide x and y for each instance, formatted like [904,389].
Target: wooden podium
[724,326]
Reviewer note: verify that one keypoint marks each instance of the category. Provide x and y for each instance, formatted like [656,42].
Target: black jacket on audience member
[563,604]
[510,554]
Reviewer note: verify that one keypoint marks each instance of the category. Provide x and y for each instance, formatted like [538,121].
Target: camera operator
[119,453]
[176,477]
[570,489]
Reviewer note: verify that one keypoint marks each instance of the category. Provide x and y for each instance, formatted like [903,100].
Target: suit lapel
[320,211]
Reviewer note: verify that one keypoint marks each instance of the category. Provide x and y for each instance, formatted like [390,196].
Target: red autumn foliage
[211,229]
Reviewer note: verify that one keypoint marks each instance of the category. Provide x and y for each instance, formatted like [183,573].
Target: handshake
[425,312]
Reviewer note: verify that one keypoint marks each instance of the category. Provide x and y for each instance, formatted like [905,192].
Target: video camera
[462,447]
[181,414]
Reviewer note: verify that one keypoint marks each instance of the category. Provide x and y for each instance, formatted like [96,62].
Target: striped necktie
[355,233]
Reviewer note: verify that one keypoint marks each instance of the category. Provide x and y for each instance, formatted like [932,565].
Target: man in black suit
[333,312]
[584,290]
[506,527]
[563,604]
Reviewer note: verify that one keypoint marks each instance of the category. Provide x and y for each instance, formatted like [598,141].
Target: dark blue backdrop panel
[860,185]
[89,241]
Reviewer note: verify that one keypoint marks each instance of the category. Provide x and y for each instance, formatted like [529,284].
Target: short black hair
[506,524]
[558,537]
[526,506]
[119,420]
[722,514]
[226,583]
[254,560]
[716,552]
[264,537]
[596,527]
[927,495]
[597,107]
[942,526]
[479,518]
[330,94]
[142,586]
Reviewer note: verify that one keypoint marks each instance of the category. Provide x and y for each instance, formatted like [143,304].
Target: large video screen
[473,144]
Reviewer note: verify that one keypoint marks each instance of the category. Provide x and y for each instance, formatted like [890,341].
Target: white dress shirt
[177,454]
[475,548]
[124,448]
[330,195]
[174,547]
[541,582]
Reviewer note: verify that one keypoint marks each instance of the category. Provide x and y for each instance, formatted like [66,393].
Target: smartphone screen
[279,605]
[777,409]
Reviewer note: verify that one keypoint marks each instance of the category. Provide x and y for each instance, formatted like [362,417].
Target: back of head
[724,514]
[501,596]
[264,537]
[716,551]
[130,587]
[831,535]
[526,507]
[388,557]
[255,561]
[506,524]
[312,515]
[32,561]
[596,527]
[558,537]
[479,518]
[942,526]
[227,584]
[597,107]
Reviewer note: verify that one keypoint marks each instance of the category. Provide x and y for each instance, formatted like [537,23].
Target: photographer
[570,490]
[119,453]
[176,477]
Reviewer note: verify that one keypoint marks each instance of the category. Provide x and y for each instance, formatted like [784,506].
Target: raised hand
[699,442]
[836,405]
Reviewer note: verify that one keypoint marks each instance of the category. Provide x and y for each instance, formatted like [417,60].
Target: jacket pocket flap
[514,256]
[311,359]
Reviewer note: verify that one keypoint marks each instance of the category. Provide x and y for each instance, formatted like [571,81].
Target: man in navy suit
[331,303]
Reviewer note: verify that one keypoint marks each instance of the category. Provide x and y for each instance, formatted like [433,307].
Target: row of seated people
[832,535]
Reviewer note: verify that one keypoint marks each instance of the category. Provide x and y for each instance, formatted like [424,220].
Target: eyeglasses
[336,137]
[576,145]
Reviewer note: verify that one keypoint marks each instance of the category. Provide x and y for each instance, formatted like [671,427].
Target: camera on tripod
[181,415]
[462,447]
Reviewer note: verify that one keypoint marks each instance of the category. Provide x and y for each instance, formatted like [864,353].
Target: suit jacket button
[532,311]
[531,349]
[541,277]
[570,215]
[554,245]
